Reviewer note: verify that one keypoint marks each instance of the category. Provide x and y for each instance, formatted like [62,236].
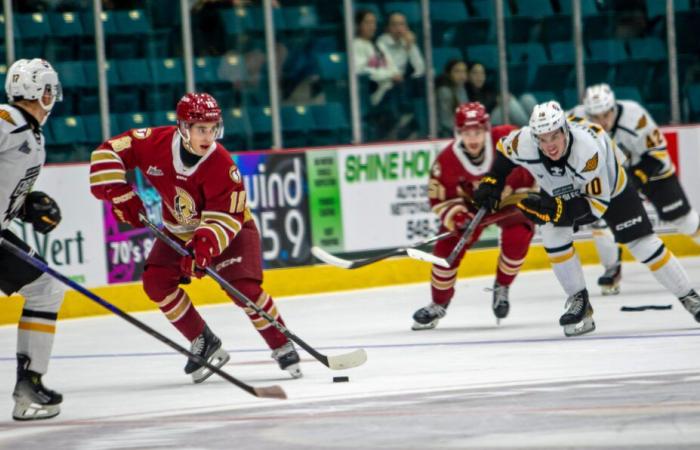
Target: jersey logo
[141,133]
[154,171]
[184,207]
[556,171]
[591,164]
[121,143]
[437,170]
[642,122]
[5,115]
[25,148]
[234,174]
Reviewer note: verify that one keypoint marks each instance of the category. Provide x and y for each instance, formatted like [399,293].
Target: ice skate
[691,302]
[288,359]
[33,401]
[428,317]
[609,282]
[578,317]
[500,304]
[207,346]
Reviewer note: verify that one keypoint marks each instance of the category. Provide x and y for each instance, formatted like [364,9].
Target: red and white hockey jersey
[454,177]
[208,196]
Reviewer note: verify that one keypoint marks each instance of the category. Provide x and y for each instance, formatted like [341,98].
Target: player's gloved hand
[202,250]
[542,208]
[488,194]
[647,167]
[41,211]
[126,204]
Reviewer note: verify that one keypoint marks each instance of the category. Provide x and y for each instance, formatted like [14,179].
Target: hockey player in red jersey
[204,206]
[454,176]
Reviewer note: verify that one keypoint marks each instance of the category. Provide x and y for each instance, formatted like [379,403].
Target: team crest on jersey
[141,133]
[184,207]
[556,171]
[642,122]
[5,115]
[121,143]
[437,170]
[235,174]
[591,164]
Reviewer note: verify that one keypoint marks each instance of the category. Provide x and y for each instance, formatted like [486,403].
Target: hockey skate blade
[347,360]
[610,290]
[578,329]
[332,260]
[218,360]
[424,326]
[25,411]
[427,257]
[270,392]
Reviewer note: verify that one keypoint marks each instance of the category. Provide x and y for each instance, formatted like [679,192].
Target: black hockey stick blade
[267,392]
[645,308]
[333,260]
[344,361]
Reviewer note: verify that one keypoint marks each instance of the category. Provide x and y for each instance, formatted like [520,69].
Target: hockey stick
[333,260]
[265,392]
[337,362]
[447,262]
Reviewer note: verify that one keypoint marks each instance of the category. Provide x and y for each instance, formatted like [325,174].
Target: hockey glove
[542,209]
[126,204]
[41,211]
[647,167]
[202,251]
[488,194]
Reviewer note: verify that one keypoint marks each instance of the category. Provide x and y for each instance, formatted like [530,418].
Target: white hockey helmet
[30,79]
[599,99]
[547,117]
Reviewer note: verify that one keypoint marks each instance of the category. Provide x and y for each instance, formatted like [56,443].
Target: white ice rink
[633,383]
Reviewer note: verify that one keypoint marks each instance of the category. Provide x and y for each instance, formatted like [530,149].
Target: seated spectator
[371,59]
[400,43]
[479,90]
[451,92]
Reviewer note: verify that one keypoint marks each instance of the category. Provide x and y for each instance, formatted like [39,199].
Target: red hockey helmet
[196,107]
[471,114]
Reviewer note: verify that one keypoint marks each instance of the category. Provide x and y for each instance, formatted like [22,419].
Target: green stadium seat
[66,24]
[610,50]
[300,18]
[32,26]
[588,7]
[553,77]
[261,127]
[598,72]
[331,124]
[237,129]
[167,71]
[297,123]
[651,48]
[533,53]
[127,121]
[486,54]
[628,93]
[534,8]
[163,118]
[660,111]
[132,23]
[633,72]
[410,10]
[68,130]
[693,96]
[562,52]
[443,55]
[556,28]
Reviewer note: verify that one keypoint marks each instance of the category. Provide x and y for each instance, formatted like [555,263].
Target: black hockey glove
[542,208]
[647,167]
[488,194]
[41,211]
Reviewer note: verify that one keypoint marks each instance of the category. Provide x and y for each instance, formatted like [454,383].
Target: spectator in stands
[374,61]
[400,43]
[451,92]
[479,90]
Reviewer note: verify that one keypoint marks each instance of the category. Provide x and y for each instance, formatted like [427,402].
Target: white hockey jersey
[636,134]
[21,156]
[590,169]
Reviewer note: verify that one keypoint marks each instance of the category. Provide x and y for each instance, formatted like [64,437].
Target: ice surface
[633,383]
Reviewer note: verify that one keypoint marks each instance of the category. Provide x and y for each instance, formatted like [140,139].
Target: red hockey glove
[202,251]
[126,204]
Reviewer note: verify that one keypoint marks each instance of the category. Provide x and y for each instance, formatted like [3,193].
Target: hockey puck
[645,308]
[341,379]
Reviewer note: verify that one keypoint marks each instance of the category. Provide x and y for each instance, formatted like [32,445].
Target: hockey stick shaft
[466,236]
[271,392]
[251,304]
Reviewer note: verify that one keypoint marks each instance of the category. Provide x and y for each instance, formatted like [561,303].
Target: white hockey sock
[567,268]
[37,326]
[606,246]
[663,264]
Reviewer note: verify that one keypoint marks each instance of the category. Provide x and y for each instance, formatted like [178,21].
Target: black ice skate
[33,401]
[609,282]
[500,304]
[691,302]
[207,346]
[428,317]
[578,317]
[288,359]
